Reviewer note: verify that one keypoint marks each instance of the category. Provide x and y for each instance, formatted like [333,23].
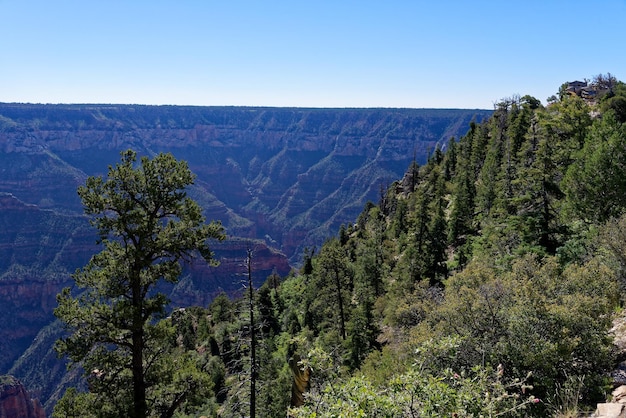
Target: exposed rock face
[290,176]
[614,409]
[201,283]
[38,250]
[15,401]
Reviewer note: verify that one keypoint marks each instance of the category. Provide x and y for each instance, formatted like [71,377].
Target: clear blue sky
[352,53]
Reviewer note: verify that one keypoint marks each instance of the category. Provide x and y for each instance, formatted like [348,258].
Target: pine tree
[147,226]
[595,182]
[329,290]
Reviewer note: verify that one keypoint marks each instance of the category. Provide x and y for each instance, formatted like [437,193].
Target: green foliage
[275,377]
[615,101]
[77,405]
[418,392]
[612,245]
[330,288]
[483,281]
[595,184]
[491,252]
[147,226]
[536,318]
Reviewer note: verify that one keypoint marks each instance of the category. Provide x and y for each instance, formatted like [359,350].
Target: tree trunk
[253,367]
[139,386]
[342,322]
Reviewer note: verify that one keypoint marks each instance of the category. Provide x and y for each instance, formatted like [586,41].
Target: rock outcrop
[15,402]
[614,409]
[38,251]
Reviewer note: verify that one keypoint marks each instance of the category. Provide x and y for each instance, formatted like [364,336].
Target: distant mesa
[292,174]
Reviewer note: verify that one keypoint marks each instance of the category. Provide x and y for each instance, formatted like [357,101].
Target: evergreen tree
[461,224]
[450,160]
[147,226]
[370,254]
[595,183]
[487,182]
[332,285]
[437,230]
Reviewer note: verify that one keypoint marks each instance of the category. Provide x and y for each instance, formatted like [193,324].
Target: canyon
[280,180]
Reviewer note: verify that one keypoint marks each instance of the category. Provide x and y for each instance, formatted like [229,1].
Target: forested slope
[484,282]
[486,279]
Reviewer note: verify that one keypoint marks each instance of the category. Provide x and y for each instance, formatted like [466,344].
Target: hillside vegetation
[486,279]
[482,283]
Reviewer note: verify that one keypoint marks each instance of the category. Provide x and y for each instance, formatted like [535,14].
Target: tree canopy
[147,226]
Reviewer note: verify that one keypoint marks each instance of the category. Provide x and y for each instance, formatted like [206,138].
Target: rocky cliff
[287,176]
[38,250]
[15,402]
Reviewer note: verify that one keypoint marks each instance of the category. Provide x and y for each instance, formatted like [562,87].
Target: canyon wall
[289,177]
[15,402]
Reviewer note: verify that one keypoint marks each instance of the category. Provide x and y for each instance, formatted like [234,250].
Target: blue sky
[384,53]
